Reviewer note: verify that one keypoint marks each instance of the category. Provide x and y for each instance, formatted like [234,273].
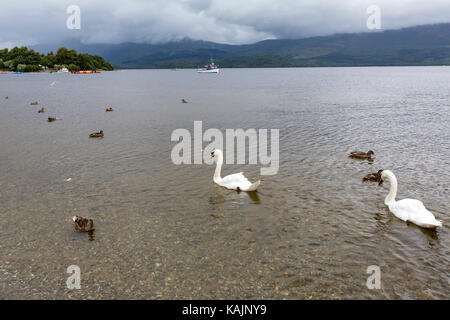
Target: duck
[235,181]
[6,97]
[183,101]
[374,177]
[361,155]
[82,224]
[109,109]
[34,103]
[97,134]
[42,110]
[408,210]
[51,119]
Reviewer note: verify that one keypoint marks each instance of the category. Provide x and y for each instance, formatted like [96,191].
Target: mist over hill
[420,45]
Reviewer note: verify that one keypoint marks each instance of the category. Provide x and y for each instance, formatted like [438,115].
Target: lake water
[165,231]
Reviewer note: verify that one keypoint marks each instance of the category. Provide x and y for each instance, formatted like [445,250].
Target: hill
[420,45]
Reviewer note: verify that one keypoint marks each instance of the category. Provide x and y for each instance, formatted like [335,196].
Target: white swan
[409,210]
[235,181]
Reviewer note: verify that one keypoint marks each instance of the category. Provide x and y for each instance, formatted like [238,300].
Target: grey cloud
[225,21]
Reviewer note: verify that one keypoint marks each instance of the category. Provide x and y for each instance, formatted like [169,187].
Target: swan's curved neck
[393,189]
[219,165]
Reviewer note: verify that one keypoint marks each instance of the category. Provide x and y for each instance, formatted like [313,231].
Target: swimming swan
[235,181]
[409,210]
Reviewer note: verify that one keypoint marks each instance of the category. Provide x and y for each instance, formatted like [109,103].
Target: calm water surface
[165,231]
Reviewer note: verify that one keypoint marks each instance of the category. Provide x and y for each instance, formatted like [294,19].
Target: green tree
[72,67]
[21,67]
[27,60]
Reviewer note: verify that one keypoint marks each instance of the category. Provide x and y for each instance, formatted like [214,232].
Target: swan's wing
[233,178]
[233,181]
[413,210]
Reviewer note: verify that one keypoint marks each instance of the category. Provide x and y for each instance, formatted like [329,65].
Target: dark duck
[361,155]
[82,224]
[374,177]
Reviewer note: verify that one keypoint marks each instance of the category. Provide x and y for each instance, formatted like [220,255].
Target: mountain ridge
[418,45]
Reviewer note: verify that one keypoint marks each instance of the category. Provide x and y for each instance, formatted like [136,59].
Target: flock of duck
[98,134]
[408,210]
[80,224]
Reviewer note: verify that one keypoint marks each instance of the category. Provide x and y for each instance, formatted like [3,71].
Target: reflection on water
[254,196]
[91,235]
[165,231]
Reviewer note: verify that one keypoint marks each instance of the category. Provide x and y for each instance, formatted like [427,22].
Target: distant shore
[27,60]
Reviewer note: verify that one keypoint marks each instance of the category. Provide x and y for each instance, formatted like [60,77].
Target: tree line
[27,60]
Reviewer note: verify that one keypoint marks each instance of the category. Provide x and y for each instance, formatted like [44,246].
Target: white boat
[209,68]
[63,70]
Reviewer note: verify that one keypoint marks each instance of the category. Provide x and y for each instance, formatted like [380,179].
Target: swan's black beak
[381,182]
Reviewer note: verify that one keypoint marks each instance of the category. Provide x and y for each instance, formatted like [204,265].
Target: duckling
[42,110]
[34,103]
[6,97]
[51,119]
[82,224]
[374,177]
[109,109]
[183,101]
[362,155]
[97,134]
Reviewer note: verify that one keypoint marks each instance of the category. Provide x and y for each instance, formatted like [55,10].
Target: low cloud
[25,22]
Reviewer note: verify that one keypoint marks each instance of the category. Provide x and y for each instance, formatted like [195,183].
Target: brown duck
[109,109]
[82,224]
[97,134]
[51,119]
[42,110]
[374,177]
[361,155]
[183,101]
[6,97]
[34,103]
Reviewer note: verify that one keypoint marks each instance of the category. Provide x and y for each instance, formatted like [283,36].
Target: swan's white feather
[234,181]
[235,178]
[414,211]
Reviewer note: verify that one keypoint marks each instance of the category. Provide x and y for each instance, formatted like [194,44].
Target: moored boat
[209,68]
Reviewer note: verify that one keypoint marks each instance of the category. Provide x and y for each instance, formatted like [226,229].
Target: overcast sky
[25,22]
